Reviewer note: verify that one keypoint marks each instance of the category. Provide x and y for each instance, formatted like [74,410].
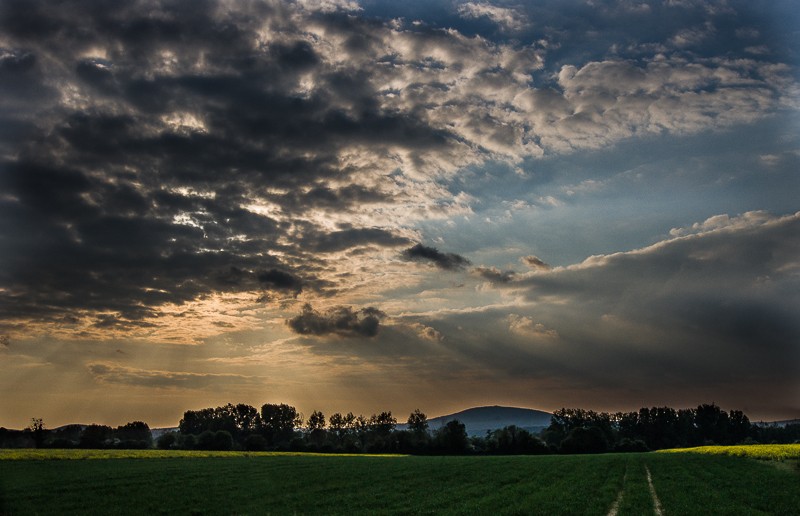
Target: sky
[377,205]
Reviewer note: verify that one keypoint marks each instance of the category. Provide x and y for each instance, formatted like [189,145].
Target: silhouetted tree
[246,419]
[659,427]
[316,421]
[196,422]
[37,431]
[712,424]
[564,420]
[416,439]
[279,423]
[417,422]
[585,440]
[187,441]
[451,438]
[66,436]
[255,442]
[786,434]
[383,423]
[347,432]
[223,440]
[738,426]
[205,441]
[513,440]
[275,426]
[134,435]
[376,434]
[166,441]
[337,427]
[96,436]
[315,428]
[687,431]
[626,444]
[238,420]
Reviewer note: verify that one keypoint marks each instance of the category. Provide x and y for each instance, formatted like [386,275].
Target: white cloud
[117,374]
[691,37]
[724,221]
[429,333]
[604,102]
[328,6]
[527,327]
[508,18]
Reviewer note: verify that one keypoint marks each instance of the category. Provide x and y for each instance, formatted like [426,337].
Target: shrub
[584,440]
[205,441]
[187,442]
[631,445]
[255,442]
[60,442]
[223,440]
[166,441]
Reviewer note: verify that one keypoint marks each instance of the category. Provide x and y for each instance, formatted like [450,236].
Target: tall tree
[452,438]
[417,422]
[95,436]
[738,426]
[316,421]
[279,423]
[246,420]
[383,423]
[135,433]
[37,430]
[315,426]
[196,422]
[712,424]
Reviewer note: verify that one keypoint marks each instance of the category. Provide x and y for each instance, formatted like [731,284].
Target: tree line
[281,427]
[133,435]
[587,431]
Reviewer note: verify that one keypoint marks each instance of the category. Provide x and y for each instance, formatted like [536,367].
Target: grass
[81,454]
[724,484]
[121,482]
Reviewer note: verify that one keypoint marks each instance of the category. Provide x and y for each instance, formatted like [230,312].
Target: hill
[778,424]
[480,419]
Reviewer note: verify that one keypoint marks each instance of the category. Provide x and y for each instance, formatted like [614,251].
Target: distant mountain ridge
[479,420]
[779,424]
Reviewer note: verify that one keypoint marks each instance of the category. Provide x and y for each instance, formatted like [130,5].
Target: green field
[158,482]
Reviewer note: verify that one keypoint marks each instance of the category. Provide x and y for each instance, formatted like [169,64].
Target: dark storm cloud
[340,320]
[138,137]
[446,261]
[326,197]
[493,274]
[715,304]
[353,237]
[534,262]
[279,280]
[708,314]
[149,149]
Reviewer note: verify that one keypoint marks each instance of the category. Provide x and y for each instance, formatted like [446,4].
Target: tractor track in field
[657,509]
[615,506]
[656,502]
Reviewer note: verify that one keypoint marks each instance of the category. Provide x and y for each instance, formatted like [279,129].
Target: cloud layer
[420,183]
[340,320]
[158,156]
[446,261]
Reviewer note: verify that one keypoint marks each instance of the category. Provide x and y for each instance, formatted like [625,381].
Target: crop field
[754,451]
[158,482]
